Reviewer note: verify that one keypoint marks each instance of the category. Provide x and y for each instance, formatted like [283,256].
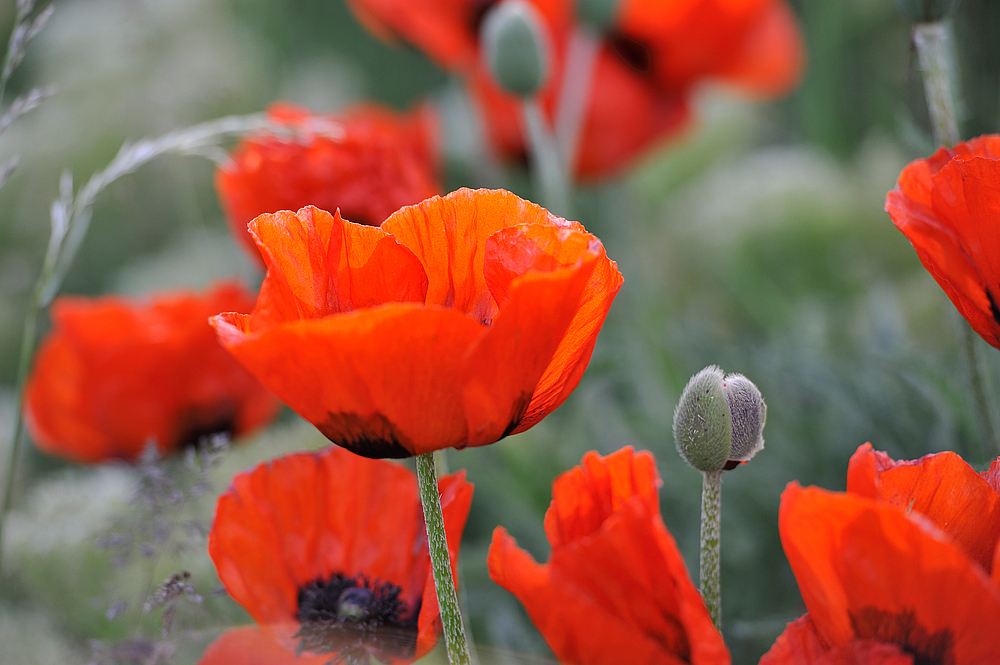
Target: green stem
[934,51]
[980,390]
[711,514]
[547,170]
[28,341]
[437,544]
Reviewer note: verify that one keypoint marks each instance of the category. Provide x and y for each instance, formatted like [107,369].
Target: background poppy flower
[328,553]
[615,588]
[461,320]
[368,161]
[870,572]
[114,376]
[942,487]
[947,207]
[646,68]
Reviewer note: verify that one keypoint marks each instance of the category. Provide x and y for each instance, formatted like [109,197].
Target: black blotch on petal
[903,630]
[372,436]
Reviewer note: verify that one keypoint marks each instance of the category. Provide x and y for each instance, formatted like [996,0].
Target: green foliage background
[756,242]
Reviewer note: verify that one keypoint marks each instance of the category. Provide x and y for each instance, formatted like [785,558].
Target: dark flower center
[633,52]
[355,619]
[903,630]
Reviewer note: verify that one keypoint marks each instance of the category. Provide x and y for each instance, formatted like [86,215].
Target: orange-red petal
[946,205]
[115,375]
[252,645]
[319,265]
[942,487]
[382,382]
[620,592]
[868,570]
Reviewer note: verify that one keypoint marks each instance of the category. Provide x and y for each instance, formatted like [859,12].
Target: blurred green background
[756,242]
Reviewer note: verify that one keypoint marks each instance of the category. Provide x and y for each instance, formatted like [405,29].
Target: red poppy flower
[115,375]
[328,553]
[615,589]
[947,206]
[872,574]
[942,487]
[461,320]
[645,71]
[368,161]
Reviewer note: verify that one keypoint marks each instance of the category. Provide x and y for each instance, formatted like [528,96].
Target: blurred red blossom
[947,206]
[328,553]
[615,588]
[459,321]
[114,376]
[368,161]
[882,583]
[647,66]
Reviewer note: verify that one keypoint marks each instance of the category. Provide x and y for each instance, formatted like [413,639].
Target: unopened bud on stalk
[601,14]
[516,47]
[925,11]
[719,420]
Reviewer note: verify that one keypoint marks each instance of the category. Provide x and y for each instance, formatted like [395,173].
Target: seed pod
[516,47]
[719,420]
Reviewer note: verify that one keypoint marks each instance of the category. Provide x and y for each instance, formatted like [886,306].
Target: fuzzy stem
[711,514]
[934,51]
[547,170]
[437,544]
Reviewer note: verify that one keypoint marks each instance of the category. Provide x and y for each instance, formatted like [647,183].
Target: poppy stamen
[355,618]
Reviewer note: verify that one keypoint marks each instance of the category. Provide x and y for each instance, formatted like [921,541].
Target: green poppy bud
[601,14]
[719,420]
[925,11]
[516,47]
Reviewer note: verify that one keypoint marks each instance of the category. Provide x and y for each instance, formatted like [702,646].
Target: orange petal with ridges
[344,374]
[325,266]
[588,494]
[942,487]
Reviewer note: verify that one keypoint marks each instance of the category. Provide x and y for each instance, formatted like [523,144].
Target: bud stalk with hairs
[718,425]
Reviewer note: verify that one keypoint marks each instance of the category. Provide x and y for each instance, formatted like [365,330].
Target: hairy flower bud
[601,14]
[516,47]
[719,420]
[925,11]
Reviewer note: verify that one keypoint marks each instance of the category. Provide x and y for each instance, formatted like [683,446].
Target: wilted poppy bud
[925,11]
[719,420]
[516,47]
[601,14]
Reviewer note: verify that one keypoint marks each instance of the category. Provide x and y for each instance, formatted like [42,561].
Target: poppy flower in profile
[459,321]
[328,553]
[947,206]
[368,161]
[615,589]
[115,375]
[647,66]
[881,585]
[942,487]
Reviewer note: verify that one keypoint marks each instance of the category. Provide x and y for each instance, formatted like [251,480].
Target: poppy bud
[719,420]
[517,47]
[601,14]
[925,11]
